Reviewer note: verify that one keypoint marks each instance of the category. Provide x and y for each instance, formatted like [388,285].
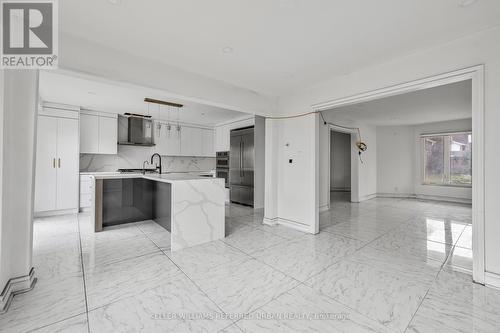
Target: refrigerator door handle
[242,159]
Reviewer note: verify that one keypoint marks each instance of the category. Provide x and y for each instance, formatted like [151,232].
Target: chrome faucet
[158,166]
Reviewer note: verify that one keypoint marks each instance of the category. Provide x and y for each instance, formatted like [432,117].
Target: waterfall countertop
[166,177]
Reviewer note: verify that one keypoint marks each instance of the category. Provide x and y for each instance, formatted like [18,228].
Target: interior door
[46,162]
[67,163]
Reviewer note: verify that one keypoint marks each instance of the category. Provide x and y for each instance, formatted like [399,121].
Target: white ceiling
[92,94]
[278,45]
[443,103]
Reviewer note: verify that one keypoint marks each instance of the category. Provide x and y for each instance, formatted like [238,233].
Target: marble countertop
[166,177]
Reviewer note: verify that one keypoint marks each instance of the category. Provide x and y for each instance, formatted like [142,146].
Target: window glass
[461,159]
[434,160]
[448,159]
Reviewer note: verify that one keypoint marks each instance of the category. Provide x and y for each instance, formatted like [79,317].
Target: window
[447,159]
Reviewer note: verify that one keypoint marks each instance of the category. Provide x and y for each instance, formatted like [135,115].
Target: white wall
[396,160]
[340,161]
[259,162]
[18,131]
[480,48]
[291,172]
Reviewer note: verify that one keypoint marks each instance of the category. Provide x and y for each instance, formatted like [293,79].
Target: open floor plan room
[237,166]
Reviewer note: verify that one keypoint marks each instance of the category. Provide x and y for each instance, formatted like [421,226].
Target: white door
[108,135]
[67,164]
[89,134]
[46,163]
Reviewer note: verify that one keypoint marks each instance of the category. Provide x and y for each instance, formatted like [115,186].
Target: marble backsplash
[130,157]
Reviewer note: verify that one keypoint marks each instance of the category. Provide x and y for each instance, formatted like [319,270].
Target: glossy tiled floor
[386,265]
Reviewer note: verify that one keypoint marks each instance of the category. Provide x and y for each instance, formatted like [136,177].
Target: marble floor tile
[109,283]
[50,301]
[150,227]
[55,225]
[56,243]
[296,260]
[282,231]
[389,298]
[76,324]
[233,210]
[51,265]
[465,240]
[302,309]
[161,239]
[357,231]
[250,239]
[243,286]
[202,258]
[460,259]
[433,229]
[456,304]
[106,253]
[175,306]
[119,232]
[412,246]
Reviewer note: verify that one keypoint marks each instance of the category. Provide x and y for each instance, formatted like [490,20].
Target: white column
[17,147]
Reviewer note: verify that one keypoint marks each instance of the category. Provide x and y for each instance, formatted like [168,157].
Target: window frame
[446,158]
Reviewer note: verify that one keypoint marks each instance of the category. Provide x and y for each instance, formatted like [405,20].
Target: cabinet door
[108,135]
[89,134]
[46,161]
[67,164]
[159,134]
[187,147]
[208,143]
[173,140]
[197,141]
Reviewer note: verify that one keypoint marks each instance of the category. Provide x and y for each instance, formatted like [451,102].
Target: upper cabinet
[98,133]
[223,132]
[183,141]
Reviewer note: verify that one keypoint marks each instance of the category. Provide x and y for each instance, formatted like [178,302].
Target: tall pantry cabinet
[57,161]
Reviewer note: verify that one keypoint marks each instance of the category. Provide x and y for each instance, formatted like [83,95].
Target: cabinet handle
[54,163]
[59,162]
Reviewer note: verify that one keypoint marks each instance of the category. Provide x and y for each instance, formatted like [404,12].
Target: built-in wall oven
[222,166]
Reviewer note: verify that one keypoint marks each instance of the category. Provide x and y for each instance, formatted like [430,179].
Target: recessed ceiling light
[465,3]
[91,93]
[115,2]
[228,49]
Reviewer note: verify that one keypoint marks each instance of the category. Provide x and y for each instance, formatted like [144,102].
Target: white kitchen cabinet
[223,132]
[108,135]
[57,164]
[89,133]
[208,146]
[191,144]
[167,139]
[86,190]
[98,133]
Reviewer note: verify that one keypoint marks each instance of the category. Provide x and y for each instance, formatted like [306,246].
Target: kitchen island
[190,207]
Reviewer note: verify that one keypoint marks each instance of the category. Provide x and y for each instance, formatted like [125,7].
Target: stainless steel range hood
[135,130]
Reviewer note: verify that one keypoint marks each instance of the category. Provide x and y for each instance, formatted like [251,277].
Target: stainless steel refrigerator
[241,166]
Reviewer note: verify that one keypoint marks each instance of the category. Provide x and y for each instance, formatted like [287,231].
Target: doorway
[340,166]
[476,75]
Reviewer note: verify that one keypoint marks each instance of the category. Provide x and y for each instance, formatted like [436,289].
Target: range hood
[135,130]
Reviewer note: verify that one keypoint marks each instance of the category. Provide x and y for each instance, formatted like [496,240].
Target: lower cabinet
[57,164]
[86,190]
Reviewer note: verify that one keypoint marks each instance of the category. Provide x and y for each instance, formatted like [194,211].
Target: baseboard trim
[367,197]
[14,287]
[492,280]
[425,197]
[324,208]
[270,221]
[57,212]
[294,225]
